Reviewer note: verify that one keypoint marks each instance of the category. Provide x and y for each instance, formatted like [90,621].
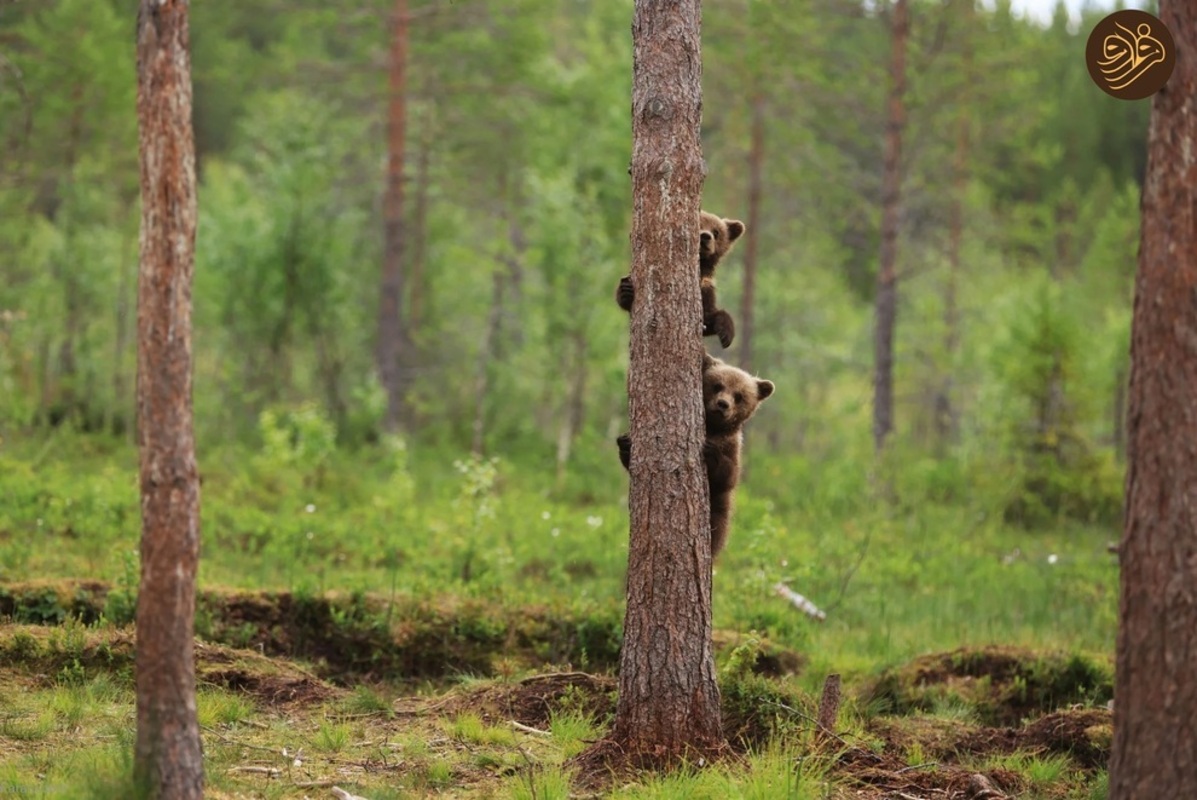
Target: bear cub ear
[764,389]
[735,229]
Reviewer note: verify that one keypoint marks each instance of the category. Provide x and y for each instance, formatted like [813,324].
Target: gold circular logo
[1130,55]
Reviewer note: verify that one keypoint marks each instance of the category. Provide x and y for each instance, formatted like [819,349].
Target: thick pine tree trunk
[392,338]
[886,311]
[1155,738]
[668,705]
[168,757]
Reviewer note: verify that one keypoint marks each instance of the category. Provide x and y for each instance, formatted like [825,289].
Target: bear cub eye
[739,397]
[717,387]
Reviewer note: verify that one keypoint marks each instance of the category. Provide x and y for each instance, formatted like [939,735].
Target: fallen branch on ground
[341,794]
[527,728]
[799,602]
[271,772]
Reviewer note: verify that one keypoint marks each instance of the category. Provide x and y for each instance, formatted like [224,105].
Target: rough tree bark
[756,156]
[885,315]
[168,757]
[1155,738]
[668,705]
[392,336]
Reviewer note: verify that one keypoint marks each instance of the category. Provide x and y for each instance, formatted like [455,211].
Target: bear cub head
[730,394]
[715,238]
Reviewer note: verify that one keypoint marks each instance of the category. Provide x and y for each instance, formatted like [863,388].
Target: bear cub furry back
[716,236]
[730,397]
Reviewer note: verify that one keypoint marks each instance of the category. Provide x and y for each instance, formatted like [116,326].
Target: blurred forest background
[1017,242]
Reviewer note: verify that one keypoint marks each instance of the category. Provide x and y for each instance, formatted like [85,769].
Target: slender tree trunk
[1119,414]
[1155,740]
[392,336]
[575,411]
[486,355]
[756,158]
[668,706]
[945,413]
[70,400]
[885,318]
[419,239]
[498,322]
[168,756]
[118,417]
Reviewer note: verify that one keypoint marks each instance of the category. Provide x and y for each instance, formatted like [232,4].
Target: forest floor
[445,627]
[302,694]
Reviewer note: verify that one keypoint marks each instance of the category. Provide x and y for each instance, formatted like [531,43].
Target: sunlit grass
[333,737]
[218,707]
[470,728]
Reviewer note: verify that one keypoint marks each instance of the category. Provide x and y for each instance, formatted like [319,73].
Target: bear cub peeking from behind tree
[730,397]
[715,238]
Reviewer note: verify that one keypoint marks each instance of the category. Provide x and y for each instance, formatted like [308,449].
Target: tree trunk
[392,337]
[574,413]
[945,412]
[756,157]
[486,356]
[168,756]
[668,707]
[118,418]
[891,195]
[1155,741]
[419,252]
[1119,414]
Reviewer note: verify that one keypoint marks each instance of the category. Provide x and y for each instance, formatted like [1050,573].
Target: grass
[459,742]
[219,707]
[470,729]
[897,583]
[488,573]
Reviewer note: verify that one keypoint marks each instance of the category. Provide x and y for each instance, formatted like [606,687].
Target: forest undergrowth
[404,622]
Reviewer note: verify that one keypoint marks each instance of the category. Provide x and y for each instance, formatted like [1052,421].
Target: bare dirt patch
[1083,734]
[532,701]
[890,776]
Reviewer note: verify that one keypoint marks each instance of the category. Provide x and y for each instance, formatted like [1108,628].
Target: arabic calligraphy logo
[1130,54]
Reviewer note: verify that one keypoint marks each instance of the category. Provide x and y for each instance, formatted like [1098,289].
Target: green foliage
[509,218]
[120,606]
[303,438]
[1062,473]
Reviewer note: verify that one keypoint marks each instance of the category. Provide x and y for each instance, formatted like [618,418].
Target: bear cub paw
[720,324]
[624,293]
[625,449]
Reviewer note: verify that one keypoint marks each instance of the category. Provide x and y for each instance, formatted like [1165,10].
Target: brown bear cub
[715,238]
[730,396]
